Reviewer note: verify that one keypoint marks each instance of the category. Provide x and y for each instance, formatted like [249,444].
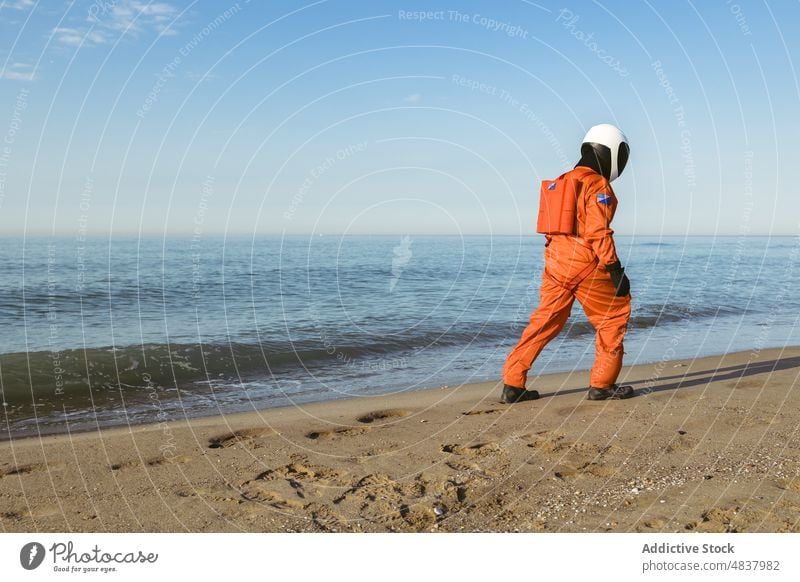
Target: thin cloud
[413,98]
[17,76]
[75,37]
[109,20]
[134,16]
[17,4]
[18,72]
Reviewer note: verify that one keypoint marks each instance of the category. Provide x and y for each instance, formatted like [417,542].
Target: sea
[111,331]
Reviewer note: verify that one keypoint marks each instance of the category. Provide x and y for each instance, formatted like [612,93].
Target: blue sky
[391,117]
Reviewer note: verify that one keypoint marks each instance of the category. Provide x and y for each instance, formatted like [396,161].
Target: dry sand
[712,445]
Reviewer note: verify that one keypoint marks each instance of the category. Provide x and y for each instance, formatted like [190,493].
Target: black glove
[619,278]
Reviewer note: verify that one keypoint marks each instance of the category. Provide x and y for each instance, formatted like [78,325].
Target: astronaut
[581,263]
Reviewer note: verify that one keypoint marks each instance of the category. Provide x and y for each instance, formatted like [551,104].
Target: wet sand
[707,445]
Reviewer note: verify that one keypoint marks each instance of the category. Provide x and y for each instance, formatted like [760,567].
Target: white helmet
[610,148]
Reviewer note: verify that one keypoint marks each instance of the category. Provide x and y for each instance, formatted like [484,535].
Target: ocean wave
[108,376]
[649,315]
[73,372]
[27,375]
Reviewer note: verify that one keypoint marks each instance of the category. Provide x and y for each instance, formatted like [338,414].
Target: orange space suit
[581,265]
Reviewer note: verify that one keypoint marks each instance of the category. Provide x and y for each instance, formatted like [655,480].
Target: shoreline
[51,432]
[712,446]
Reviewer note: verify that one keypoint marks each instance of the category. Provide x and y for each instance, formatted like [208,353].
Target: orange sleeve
[600,204]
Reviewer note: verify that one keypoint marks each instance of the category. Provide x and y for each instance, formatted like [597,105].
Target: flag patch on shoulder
[604,198]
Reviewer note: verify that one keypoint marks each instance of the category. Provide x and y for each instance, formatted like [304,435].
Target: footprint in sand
[652,524]
[410,505]
[553,442]
[220,493]
[463,465]
[490,458]
[474,450]
[263,497]
[333,434]
[259,499]
[718,520]
[473,470]
[298,480]
[153,462]
[545,441]
[32,468]
[304,471]
[326,519]
[421,516]
[246,436]
[382,486]
[384,415]
[126,465]
[481,412]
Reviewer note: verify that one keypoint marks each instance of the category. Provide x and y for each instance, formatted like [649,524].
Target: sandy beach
[708,445]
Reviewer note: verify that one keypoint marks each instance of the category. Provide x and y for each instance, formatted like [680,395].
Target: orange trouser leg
[609,315]
[545,323]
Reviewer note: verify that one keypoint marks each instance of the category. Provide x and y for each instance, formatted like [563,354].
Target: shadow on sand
[689,379]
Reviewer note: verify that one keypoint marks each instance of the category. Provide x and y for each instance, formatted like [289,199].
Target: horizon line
[216,234]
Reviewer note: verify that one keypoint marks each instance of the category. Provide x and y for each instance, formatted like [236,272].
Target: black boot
[614,392]
[512,394]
